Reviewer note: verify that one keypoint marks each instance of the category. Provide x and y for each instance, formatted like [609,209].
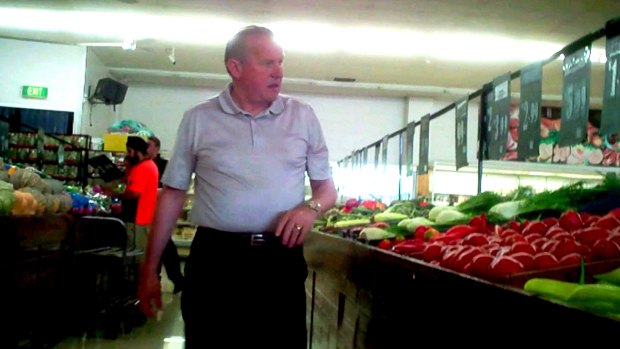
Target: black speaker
[110,91]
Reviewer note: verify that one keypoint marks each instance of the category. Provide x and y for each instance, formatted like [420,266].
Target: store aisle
[163,332]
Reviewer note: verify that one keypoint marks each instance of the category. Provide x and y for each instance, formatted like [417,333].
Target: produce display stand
[67,276]
[35,259]
[363,297]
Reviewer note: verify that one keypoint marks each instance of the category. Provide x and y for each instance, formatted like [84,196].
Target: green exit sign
[34,92]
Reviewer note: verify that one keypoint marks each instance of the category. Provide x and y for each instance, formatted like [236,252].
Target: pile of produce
[602,297]
[24,192]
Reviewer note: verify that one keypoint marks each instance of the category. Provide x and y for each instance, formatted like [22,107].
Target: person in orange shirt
[140,195]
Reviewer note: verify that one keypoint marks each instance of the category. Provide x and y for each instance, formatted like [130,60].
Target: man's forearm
[324,192]
[169,205]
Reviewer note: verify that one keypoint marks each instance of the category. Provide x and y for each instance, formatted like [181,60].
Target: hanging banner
[529,112]
[498,123]
[365,158]
[424,144]
[610,118]
[460,134]
[384,152]
[487,104]
[575,98]
[409,150]
[377,151]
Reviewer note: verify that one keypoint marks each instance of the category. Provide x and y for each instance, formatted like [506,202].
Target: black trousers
[242,295]
[172,262]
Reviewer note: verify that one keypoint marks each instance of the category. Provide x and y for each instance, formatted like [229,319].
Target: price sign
[424,144]
[377,151]
[529,112]
[500,113]
[460,134]
[409,147]
[610,118]
[575,98]
[384,152]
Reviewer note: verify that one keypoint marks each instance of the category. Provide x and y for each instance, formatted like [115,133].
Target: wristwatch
[316,206]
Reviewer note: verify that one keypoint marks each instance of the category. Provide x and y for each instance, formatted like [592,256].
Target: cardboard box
[115,141]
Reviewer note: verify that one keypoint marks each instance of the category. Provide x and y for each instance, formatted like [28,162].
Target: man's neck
[245,103]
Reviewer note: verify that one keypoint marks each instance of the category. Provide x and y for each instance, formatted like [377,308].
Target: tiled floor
[163,332]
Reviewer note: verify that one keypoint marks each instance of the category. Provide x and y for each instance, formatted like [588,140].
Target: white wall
[96,117]
[348,122]
[60,68]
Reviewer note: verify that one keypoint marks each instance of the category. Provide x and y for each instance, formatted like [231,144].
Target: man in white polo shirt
[249,149]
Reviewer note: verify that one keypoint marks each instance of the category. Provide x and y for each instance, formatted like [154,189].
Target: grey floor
[165,331]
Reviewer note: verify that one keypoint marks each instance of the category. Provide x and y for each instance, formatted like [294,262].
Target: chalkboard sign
[424,143]
[384,152]
[575,98]
[610,118]
[498,123]
[377,151]
[460,134]
[529,112]
[409,148]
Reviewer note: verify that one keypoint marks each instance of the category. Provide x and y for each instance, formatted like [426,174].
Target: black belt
[238,239]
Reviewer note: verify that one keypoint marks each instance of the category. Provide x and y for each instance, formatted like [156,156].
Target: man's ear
[234,67]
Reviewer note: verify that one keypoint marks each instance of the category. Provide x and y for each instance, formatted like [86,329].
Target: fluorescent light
[313,37]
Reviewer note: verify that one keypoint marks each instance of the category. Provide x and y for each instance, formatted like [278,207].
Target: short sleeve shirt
[143,179]
[248,170]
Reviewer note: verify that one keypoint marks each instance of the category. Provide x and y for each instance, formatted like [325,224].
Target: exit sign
[34,92]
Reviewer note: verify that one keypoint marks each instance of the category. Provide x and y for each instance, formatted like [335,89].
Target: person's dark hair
[155,141]
[235,48]
[137,144]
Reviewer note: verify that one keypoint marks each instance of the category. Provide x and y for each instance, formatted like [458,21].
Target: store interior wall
[96,118]
[60,68]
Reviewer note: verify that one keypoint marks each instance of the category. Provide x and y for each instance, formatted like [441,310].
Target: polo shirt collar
[229,106]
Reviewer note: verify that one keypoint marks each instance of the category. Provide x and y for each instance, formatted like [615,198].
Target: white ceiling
[554,21]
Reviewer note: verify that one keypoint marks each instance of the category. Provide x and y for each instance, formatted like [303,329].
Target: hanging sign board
[384,152]
[498,123]
[424,144]
[487,101]
[529,112]
[365,158]
[610,118]
[409,148]
[377,150]
[460,134]
[575,98]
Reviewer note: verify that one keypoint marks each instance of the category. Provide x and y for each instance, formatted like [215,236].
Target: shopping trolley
[106,268]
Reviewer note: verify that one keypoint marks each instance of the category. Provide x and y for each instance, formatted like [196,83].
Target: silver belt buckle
[258,239]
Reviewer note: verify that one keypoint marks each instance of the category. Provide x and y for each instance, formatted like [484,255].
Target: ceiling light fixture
[314,37]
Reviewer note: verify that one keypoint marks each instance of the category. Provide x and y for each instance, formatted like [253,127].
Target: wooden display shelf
[362,297]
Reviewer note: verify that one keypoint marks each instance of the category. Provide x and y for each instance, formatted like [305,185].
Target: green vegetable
[505,211]
[612,277]
[452,217]
[412,223]
[372,233]
[389,217]
[480,203]
[551,288]
[435,211]
[352,223]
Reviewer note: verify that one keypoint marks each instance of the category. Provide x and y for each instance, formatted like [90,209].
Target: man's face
[132,156]
[261,69]
[152,150]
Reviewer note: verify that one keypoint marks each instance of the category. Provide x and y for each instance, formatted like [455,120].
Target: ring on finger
[298,227]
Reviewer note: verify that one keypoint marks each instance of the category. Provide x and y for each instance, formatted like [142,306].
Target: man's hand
[295,224]
[149,293]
